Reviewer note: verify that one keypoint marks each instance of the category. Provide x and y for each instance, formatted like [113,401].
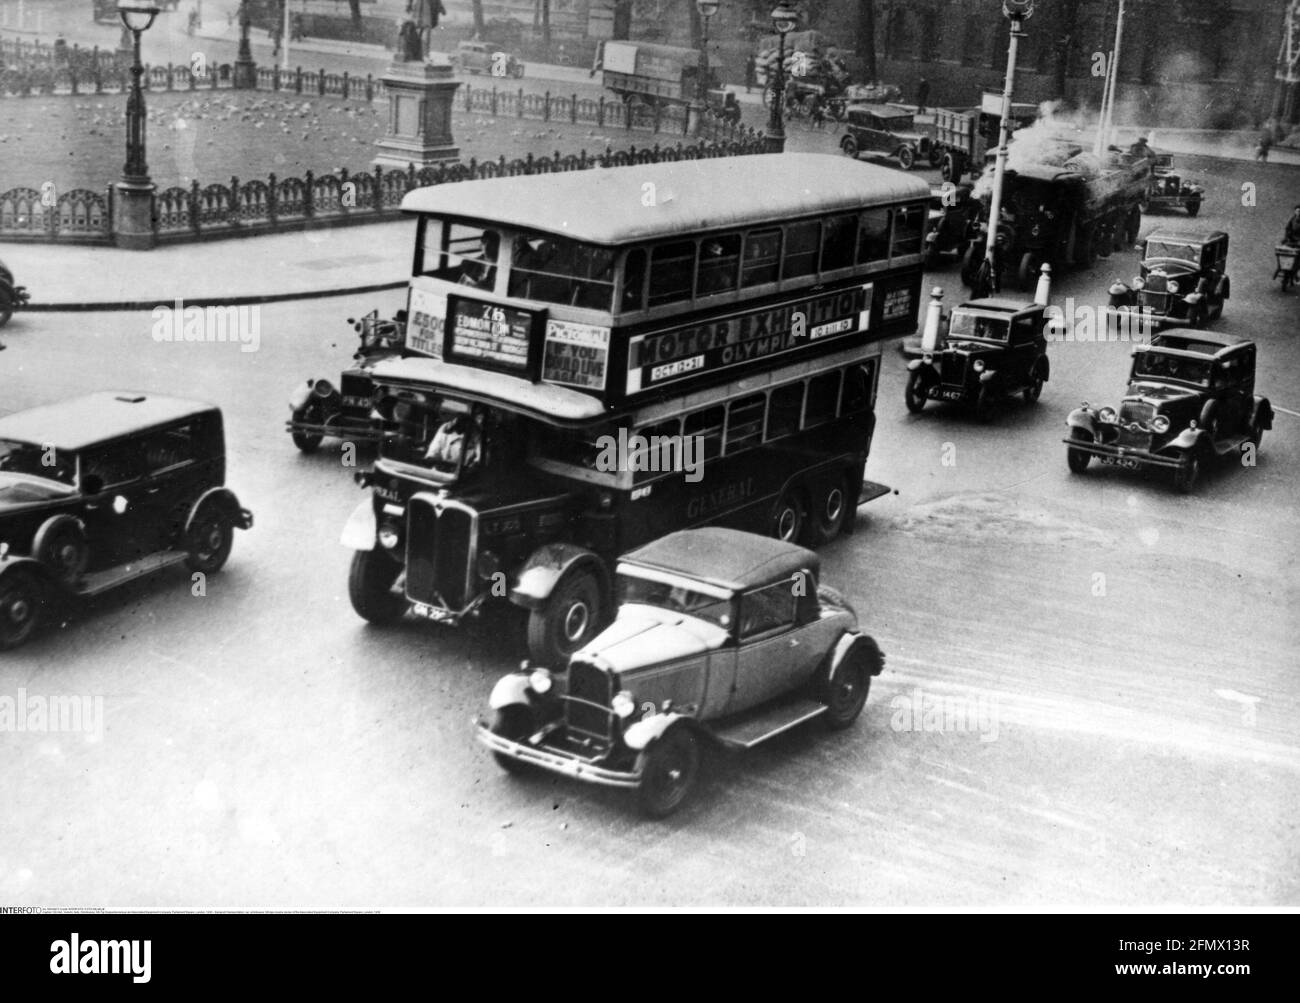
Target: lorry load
[654,74]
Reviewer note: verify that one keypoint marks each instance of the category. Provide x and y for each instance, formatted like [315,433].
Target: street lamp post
[245,68]
[133,205]
[783,19]
[707,9]
[987,279]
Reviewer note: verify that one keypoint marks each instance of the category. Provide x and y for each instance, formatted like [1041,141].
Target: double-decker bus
[602,357]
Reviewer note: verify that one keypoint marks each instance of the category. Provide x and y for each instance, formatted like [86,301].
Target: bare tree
[622,19]
[864,37]
[477,7]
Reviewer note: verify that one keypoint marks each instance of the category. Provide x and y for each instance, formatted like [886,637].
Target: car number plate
[1120,461]
[952,395]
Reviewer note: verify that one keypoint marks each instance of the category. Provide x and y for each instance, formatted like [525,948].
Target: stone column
[419,114]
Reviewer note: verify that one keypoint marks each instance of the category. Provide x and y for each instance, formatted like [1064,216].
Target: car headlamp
[1160,424]
[540,681]
[623,704]
[1107,414]
[927,359]
[388,536]
[1138,282]
[978,365]
[1173,286]
[1035,231]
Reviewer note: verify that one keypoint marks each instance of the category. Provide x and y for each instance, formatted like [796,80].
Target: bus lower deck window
[857,390]
[784,411]
[823,399]
[745,422]
[708,425]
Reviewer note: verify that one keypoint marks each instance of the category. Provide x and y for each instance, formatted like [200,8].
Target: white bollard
[1044,285]
[933,314]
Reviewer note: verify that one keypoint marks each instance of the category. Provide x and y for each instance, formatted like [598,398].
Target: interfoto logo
[651,454]
[36,713]
[240,325]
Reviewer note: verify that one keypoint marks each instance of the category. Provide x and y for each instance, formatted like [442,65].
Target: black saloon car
[103,489]
[994,347]
[1190,399]
[1183,279]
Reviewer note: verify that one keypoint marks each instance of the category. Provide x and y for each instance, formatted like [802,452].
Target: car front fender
[544,569]
[1263,413]
[988,375]
[1121,292]
[510,691]
[1086,420]
[649,729]
[1192,298]
[916,364]
[8,562]
[360,529]
[301,396]
[1188,438]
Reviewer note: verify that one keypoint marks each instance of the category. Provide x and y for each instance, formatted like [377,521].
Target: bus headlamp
[623,704]
[389,536]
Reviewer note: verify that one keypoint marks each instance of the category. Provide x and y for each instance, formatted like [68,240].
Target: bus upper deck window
[719,258]
[909,228]
[431,252]
[672,269]
[762,257]
[634,279]
[802,242]
[838,237]
[873,235]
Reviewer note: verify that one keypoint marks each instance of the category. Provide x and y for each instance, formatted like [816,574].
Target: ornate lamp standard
[783,19]
[987,279]
[245,69]
[707,9]
[133,205]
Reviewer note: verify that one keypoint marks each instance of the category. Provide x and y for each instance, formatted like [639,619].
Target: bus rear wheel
[830,512]
[788,521]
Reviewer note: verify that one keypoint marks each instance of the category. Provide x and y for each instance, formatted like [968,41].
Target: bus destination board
[490,335]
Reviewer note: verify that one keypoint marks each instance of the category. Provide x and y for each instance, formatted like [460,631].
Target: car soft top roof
[726,558]
[1175,340]
[108,414]
[606,205]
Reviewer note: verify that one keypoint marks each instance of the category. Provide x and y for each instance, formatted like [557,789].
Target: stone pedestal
[419,114]
[133,215]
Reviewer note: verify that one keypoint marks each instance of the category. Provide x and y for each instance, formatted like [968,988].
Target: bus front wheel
[566,621]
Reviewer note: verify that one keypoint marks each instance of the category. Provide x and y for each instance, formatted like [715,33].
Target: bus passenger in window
[482,273]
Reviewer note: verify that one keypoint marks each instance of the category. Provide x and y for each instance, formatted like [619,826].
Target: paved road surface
[262,747]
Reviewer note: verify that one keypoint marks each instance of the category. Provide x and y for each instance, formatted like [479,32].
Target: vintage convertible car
[103,489]
[721,637]
[1191,398]
[347,411]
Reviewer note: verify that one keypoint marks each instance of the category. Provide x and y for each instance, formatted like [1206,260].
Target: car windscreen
[1190,253]
[1159,366]
[973,325]
[677,598]
[37,461]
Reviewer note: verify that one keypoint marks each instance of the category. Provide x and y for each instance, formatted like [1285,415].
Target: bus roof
[608,205]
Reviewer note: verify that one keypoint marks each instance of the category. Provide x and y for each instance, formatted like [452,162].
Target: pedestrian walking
[922,96]
[751,73]
[277,36]
[1265,144]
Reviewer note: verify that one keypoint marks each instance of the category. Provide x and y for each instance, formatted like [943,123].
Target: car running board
[871,491]
[110,578]
[748,730]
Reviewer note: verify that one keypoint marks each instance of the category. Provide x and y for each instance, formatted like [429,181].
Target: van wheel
[21,596]
[970,262]
[787,522]
[669,769]
[849,145]
[570,618]
[830,512]
[1027,274]
[370,587]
